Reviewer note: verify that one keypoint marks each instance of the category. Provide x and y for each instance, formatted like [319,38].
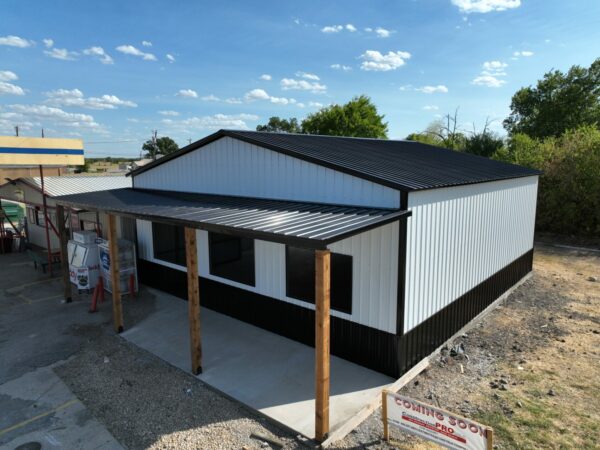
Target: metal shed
[419,239]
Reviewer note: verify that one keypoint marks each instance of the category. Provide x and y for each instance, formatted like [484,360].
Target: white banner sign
[434,424]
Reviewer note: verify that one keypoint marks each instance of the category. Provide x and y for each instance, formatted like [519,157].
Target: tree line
[553,126]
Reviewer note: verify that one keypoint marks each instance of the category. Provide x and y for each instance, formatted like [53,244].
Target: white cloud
[48,42]
[147,43]
[368,29]
[100,53]
[491,74]
[266,77]
[340,67]
[10,89]
[216,121]
[190,93]
[376,61]
[61,53]
[74,97]
[332,29]
[261,94]
[351,28]
[440,88]
[488,80]
[15,41]
[525,53]
[233,101]
[315,104]
[170,57]
[56,116]
[382,32]
[485,6]
[308,76]
[210,98]
[302,85]
[7,75]
[131,50]
[168,113]
[494,66]
[257,94]
[430,108]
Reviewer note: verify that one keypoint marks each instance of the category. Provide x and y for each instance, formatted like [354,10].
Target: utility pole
[154,145]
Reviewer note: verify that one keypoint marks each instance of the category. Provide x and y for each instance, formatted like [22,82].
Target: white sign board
[434,424]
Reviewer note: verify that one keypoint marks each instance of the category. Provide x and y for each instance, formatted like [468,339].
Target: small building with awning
[377,251]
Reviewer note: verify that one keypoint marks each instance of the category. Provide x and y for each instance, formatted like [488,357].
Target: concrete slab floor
[265,371]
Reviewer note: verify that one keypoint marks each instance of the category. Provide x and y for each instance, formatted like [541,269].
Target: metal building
[422,239]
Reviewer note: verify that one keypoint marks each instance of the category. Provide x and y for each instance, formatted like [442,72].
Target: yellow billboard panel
[16,150]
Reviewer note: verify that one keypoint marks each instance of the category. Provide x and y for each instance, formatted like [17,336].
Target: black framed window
[232,257]
[300,278]
[169,243]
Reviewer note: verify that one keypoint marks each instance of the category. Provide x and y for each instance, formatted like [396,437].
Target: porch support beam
[62,234]
[322,333]
[191,256]
[113,248]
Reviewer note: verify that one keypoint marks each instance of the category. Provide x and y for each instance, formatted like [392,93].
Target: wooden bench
[37,259]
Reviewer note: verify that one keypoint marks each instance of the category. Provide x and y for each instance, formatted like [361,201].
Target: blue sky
[111,72]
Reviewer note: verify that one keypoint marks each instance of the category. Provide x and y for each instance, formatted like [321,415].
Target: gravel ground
[147,404]
[553,317]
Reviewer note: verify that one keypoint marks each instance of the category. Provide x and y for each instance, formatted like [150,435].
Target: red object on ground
[94,305]
[132,286]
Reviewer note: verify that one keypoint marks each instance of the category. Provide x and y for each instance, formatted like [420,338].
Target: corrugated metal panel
[67,185]
[233,167]
[302,224]
[460,236]
[374,267]
[404,165]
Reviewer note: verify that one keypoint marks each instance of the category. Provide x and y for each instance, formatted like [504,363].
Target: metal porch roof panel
[66,185]
[313,225]
[399,164]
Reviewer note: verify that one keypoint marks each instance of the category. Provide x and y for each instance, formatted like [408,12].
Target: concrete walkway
[265,371]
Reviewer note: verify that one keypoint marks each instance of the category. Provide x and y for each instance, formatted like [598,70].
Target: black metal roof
[302,224]
[403,165]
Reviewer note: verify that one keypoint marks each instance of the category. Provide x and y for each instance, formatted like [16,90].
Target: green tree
[569,189]
[163,146]
[485,143]
[357,118]
[559,102]
[279,125]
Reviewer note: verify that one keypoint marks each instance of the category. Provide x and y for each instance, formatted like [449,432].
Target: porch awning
[302,224]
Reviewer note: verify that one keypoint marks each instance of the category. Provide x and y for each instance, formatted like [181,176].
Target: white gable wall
[460,236]
[229,166]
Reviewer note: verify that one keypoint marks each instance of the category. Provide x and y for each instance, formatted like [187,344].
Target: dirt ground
[533,366]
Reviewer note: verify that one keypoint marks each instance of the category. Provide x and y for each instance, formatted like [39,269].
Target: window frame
[176,261]
[339,306]
[211,263]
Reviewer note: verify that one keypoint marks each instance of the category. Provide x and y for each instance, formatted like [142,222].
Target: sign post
[434,424]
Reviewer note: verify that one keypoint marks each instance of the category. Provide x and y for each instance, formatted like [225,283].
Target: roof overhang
[301,224]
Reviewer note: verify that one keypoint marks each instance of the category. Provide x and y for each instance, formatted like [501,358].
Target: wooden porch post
[62,234]
[322,303]
[113,247]
[191,256]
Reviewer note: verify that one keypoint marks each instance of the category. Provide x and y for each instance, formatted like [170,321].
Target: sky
[111,72]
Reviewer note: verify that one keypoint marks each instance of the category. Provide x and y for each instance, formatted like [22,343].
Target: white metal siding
[232,167]
[458,237]
[374,267]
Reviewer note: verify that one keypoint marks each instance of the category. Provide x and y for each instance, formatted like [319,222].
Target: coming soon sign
[434,424]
